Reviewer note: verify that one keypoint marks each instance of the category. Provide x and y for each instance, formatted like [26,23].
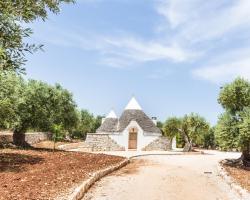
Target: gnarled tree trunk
[188,147]
[188,143]
[245,156]
[19,138]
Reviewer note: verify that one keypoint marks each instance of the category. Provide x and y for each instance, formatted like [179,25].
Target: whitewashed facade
[133,130]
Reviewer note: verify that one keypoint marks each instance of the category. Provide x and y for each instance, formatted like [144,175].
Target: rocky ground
[240,175]
[42,174]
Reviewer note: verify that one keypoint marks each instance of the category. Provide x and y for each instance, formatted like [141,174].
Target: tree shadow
[235,163]
[44,149]
[14,162]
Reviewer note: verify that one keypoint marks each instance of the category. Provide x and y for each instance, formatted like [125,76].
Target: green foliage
[29,10]
[12,47]
[45,105]
[11,92]
[34,105]
[172,126]
[180,142]
[38,106]
[244,130]
[57,133]
[13,15]
[87,123]
[232,129]
[191,127]
[97,124]
[208,140]
[159,124]
[227,131]
[234,97]
[195,127]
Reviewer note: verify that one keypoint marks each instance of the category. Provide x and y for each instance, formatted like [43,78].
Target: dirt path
[173,177]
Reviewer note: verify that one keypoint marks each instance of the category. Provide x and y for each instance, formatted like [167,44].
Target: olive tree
[208,140]
[11,92]
[42,107]
[13,16]
[191,127]
[232,128]
[87,123]
[244,137]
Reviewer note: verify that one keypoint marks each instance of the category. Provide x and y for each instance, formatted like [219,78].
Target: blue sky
[173,55]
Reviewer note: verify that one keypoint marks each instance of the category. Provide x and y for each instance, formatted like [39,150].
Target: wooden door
[132,141]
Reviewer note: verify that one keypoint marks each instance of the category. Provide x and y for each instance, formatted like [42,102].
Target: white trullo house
[133,130]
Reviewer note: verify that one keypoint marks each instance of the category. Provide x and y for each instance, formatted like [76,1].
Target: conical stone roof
[140,117]
[132,112]
[133,105]
[109,124]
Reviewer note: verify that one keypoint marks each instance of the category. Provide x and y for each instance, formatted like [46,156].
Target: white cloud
[225,72]
[226,67]
[199,20]
[143,51]
[190,32]
[127,50]
[118,50]
[216,28]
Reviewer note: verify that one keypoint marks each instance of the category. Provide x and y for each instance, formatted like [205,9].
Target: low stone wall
[36,137]
[6,137]
[160,144]
[31,137]
[101,142]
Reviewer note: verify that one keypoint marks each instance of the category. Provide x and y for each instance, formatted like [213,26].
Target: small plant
[57,134]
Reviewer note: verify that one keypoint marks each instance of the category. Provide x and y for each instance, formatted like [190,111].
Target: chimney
[154,119]
[103,119]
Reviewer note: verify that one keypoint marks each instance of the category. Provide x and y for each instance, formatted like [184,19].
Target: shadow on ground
[14,162]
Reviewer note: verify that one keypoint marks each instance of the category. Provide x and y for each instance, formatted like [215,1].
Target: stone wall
[31,137]
[36,137]
[6,137]
[101,142]
[160,144]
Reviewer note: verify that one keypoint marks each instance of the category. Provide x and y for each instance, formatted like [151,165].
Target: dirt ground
[42,174]
[166,177]
[50,144]
[241,176]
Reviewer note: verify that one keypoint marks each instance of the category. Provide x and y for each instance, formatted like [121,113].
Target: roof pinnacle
[133,105]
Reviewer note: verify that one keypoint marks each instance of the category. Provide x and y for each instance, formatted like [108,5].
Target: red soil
[42,174]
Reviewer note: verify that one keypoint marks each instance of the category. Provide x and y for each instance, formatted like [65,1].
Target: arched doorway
[132,138]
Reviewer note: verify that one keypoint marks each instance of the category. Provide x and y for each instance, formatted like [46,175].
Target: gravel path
[166,177]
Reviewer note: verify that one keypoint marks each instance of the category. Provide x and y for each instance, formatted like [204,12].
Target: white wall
[142,140]
[174,143]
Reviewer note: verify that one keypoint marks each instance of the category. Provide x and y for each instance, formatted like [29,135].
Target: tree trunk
[54,147]
[19,139]
[188,144]
[245,157]
[188,147]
